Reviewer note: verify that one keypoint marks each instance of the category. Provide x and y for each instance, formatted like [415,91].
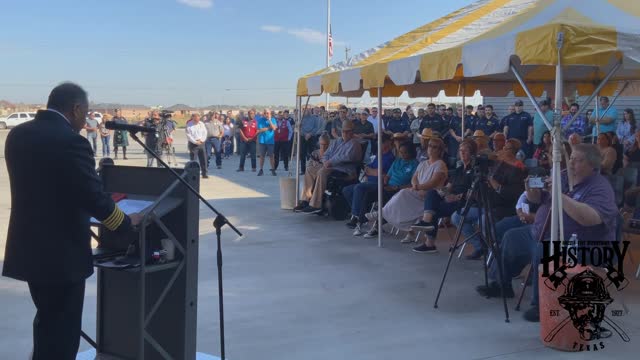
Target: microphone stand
[218,223]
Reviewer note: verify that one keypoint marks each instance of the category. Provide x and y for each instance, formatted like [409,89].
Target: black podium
[145,309]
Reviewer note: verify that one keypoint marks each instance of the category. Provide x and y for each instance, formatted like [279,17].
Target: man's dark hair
[489,106]
[431,105]
[469,107]
[64,96]
[576,105]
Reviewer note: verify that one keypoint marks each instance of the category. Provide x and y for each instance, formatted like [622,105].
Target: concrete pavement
[301,287]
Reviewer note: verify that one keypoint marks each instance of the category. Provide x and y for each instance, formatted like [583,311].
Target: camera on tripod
[482,163]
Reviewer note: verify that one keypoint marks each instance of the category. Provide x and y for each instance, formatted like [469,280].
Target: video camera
[166,114]
[482,163]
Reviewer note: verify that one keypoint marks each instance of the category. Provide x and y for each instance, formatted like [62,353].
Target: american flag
[330,43]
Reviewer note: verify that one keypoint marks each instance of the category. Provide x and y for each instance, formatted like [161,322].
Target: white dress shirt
[196,132]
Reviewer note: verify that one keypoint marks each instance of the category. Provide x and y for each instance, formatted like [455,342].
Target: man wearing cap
[488,123]
[363,129]
[608,118]
[336,127]
[398,125]
[434,121]
[539,126]
[360,195]
[343,157]
[519,125]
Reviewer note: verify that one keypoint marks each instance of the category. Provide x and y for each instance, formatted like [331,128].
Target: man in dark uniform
[49,242]
[434,121]
[469,118]
[519,125]
[488,123]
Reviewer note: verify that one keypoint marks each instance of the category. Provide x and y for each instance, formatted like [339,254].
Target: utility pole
[346,53]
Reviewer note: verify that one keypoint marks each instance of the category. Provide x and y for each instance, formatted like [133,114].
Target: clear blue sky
[162,52]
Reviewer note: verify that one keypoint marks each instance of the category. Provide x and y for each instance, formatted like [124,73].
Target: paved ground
[301,287]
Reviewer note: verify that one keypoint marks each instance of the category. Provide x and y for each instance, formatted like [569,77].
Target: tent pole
[597,113]
[463,111]
[380,179]
[595,93]
[530,96]
[298,138]
[556,185]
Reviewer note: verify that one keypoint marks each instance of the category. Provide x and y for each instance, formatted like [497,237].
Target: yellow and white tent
[475,46]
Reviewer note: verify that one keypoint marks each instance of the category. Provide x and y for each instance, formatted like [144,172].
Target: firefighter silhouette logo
[586,299]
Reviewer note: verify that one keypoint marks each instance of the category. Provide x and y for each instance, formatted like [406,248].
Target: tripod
[218,223]
[479,190]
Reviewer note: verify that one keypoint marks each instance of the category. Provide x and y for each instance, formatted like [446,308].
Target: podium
[148,310]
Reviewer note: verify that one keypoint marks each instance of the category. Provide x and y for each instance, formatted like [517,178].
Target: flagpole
[328,55]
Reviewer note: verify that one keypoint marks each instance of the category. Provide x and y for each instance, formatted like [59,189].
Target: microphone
[130,128]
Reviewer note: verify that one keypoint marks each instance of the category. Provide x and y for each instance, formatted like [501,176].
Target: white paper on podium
[129,206]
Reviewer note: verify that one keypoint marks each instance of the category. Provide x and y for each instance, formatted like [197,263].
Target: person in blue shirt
[361,195]
[397,125]
[608,118]
[539,127]
[266,140]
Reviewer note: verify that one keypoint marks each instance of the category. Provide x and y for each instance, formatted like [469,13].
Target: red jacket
[249,129]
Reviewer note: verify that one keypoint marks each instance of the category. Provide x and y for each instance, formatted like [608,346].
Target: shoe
[352,223]
[408,238]
[240,170]
[219,167]
[125,158]
[372,233]
[475,255]
[495,290]
[301,206]
[311,210]
[372,216]
[273,172]
[286,169]
[424,249]
[260,173]
[422,226]
[532,315]
[357,231]
[205,176]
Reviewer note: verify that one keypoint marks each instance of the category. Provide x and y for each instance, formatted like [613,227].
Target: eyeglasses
[434,147]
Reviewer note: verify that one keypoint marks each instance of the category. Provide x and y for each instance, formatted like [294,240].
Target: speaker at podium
[146,301]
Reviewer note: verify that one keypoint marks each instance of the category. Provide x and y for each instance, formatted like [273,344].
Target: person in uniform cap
[49,241]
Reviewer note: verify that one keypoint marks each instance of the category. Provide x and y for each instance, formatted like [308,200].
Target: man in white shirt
[197,136]
[373,119]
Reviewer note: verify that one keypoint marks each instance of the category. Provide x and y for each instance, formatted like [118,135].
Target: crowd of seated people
[422,185]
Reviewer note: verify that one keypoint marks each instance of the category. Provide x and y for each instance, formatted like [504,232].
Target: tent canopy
[473,48]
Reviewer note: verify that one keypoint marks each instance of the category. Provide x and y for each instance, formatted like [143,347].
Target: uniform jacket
[54,191]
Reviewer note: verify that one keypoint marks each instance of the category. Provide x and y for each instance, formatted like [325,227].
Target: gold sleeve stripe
[115,219]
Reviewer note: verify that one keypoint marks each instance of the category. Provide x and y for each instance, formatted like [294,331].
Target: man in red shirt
[248,136]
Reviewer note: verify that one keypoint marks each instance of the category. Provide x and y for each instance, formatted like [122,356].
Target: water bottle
[572,243]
